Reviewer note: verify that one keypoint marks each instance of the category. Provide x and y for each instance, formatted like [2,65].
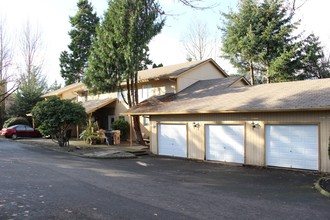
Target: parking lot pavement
[41,184]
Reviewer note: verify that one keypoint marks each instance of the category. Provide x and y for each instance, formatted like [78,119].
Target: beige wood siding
[159,87]
[239,83]
[90,97]
[254,137]
[69,94]
[203,72]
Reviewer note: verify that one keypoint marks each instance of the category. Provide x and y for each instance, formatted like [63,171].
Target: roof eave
[101,106]
[50,95]
[228,111]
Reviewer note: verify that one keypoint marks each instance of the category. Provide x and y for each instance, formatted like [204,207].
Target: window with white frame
[146,92]
[146,120]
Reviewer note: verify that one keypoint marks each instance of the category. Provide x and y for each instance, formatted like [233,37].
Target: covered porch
[101,111]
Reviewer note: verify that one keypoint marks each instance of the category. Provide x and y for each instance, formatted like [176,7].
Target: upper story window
[84,95]
[119,95]
[146,92]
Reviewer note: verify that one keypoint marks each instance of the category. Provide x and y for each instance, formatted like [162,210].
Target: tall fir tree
[261,38]
[73,63]
[32,85]
[314,62]
[121,48]
[240,38]
[276,40]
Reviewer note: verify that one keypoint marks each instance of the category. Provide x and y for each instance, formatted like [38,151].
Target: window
[120,97]
[28,128]
[146,92]
[85,96]
[146,120]
[20,128]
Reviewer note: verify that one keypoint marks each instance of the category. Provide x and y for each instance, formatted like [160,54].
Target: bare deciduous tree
[30,47]
[6,56]
[196,4]
[294,5]
[198,41]
[32,83]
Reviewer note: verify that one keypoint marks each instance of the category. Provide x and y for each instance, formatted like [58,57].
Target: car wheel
[14,136]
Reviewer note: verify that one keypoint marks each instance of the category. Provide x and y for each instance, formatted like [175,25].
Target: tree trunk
[129,99]
[251,73]
[137,129]
[267,75]
[136,88]
[132,87]
[136,119]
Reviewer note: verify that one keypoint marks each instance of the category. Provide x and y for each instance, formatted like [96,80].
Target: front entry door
[111,119]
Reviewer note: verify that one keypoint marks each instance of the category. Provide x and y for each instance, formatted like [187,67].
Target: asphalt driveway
[42,184]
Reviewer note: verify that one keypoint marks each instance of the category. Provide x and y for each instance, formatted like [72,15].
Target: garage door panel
[280,163]
[225,143]
[292,146]
[172,140]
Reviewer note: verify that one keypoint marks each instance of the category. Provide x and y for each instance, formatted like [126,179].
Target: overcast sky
[52,19]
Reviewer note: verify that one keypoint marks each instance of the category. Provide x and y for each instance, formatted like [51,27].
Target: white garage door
[172,140]
[292,146]
[225,143]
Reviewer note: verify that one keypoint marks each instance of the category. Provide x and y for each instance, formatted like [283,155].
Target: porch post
[77,127]
[130,131]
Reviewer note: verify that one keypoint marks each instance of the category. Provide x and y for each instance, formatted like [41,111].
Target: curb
[319,188]
[107,157]
[118,155]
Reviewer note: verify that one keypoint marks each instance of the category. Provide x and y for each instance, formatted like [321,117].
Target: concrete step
[139,152]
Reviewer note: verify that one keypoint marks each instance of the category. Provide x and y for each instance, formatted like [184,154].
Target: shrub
[329,149]
[123,126]
[16,121]
[92,134]
[56,116]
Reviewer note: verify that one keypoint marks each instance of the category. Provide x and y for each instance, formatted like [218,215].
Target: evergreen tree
[74,62]
[314,63]
[54,86]
[32,86]
[121,49]
[260,36]
[276,39]
[240,39]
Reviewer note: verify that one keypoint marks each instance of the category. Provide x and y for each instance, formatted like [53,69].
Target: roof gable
[174,71]
[60,91]
[93,105]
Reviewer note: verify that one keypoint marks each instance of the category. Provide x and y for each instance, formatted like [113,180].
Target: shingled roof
[93,105]
[216,96]
[174,71]
[60,91]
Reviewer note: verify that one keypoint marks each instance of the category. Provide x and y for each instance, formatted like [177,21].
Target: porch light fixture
[255,125]
[196,125]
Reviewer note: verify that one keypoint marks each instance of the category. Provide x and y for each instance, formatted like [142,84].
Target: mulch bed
[325,184]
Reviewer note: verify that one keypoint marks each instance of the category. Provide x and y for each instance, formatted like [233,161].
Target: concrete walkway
[82,149]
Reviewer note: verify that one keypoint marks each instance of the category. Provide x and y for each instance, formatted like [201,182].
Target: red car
[20,131]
